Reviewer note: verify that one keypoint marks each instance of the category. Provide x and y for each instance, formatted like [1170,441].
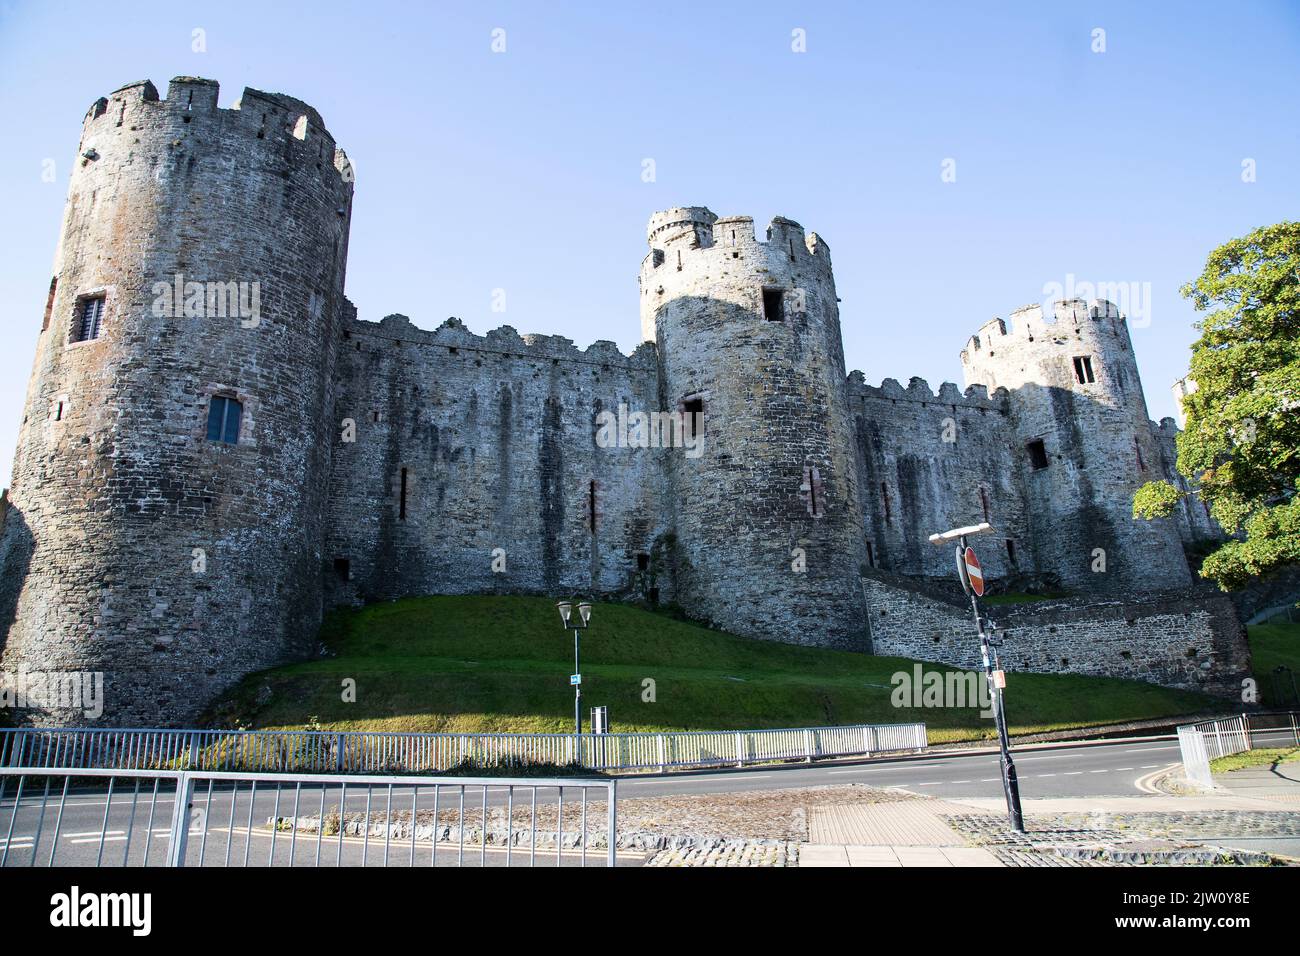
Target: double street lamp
[579,624]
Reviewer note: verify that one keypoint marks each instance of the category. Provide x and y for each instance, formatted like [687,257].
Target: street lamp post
[1010,785]
[578,624]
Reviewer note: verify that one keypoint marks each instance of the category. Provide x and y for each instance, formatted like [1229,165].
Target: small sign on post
[972,582]
[974,574]
[575,679]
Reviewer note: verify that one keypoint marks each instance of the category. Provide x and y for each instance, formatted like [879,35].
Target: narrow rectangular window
[984,502]
[1037,454]
[884,497]
[1083,369]
[401,507]
[1142,465]
[1011,551]
[773,305]
[58,413]
[693,426]
[812,481]
[90,318]
[591,505]
[871,555]
[343,568]
[224,415]
[643,562]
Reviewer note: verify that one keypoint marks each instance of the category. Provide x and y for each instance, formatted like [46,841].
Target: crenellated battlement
[918,390]
[1072,320]
[275,119]
[697,231]
[1167,428]
[505,341]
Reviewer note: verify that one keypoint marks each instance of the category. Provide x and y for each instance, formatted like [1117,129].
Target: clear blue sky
[522,170]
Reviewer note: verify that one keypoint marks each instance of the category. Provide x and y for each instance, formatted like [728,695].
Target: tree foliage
[1240,450]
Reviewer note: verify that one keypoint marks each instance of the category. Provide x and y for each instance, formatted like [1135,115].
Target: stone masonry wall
[1191,515]
[1097,444]
[376,460]
[133,546]
[930,462]
[1192,641]
[768,517]
[497,437]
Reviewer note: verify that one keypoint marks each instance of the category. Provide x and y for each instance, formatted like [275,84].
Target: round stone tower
[1085,443]
[166,510]
[769,525]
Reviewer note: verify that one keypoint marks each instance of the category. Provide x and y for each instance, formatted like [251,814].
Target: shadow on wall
[1052,469]
[16,547]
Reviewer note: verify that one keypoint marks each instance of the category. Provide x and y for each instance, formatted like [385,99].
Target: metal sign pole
[1010,785]
[577,688]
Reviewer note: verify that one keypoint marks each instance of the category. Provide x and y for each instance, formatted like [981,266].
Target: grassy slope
[1274,645]
[1254,758]
[503,664]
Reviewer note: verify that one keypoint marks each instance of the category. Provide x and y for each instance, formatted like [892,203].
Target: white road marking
[1098,771]
[1072,773]
[1047,775]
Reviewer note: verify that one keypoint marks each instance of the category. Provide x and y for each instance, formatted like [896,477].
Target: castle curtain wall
[492,442]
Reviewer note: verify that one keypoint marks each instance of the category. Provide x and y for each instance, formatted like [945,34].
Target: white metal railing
[1211,739]
[373,752]
[1196,762]
[197,818]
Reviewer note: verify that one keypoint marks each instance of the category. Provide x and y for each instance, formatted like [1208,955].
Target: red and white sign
[974,573]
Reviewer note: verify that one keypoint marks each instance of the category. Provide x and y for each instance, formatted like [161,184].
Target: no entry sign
[973,572]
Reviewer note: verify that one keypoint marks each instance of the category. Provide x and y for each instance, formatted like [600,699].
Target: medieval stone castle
[200,475]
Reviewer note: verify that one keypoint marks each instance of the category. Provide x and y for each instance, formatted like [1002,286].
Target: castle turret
[1080,418]
[768,515]
[169,484]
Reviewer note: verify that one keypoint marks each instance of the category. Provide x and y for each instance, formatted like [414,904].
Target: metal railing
[367,752]
[1211,739]
[98,817]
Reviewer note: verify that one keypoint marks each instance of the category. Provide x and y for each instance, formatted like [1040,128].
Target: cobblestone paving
[1022,856]
[1112,827]
[730,853]
[1123,839]
[983,829]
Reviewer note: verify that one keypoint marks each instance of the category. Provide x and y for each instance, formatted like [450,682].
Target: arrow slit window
[812,490]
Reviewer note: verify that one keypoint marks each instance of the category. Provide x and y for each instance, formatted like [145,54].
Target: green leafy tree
[1240,450]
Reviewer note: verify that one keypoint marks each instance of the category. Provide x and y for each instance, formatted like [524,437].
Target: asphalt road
[1094,770]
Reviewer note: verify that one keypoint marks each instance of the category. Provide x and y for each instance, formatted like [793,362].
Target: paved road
[1095,770]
